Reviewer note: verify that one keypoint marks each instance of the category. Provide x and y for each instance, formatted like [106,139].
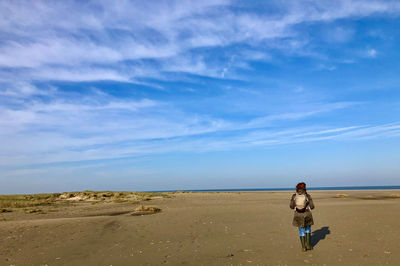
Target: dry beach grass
[32,202]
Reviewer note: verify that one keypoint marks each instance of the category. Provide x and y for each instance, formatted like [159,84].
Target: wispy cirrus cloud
[83,38]
[98,126]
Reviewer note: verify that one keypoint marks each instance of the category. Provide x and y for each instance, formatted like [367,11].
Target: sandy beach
[226,228]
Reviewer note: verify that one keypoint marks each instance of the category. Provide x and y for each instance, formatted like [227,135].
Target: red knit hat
[300,186]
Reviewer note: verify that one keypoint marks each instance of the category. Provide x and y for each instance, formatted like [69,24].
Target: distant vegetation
[23,201]
[10,202]
[124,196]
[150,209]
[375,196]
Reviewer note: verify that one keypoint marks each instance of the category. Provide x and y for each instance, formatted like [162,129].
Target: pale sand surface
[247,228]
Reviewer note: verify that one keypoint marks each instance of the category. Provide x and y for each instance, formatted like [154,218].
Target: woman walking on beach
[302,203]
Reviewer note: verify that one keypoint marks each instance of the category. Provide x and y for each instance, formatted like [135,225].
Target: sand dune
[237,228]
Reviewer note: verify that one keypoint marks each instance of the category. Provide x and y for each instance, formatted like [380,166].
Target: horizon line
[280,189]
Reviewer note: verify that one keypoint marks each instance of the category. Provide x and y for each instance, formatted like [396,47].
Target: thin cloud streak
[96,125]
[107,129]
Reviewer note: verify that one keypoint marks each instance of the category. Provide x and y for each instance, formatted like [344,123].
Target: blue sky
[156,95]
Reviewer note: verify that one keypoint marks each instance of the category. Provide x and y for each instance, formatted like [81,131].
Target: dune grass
[380,197]
[151,209]
[30,201]
[33,210]
[115,196]
[23,201]
[374,196]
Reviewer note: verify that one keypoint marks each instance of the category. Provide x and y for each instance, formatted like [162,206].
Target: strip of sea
[284,189]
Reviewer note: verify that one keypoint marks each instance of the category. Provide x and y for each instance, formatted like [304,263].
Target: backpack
[300,201]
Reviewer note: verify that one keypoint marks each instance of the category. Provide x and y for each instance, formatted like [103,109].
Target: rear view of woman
[302,204]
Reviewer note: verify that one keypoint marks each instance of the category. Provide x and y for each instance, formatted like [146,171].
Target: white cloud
[371,53]
[326,67]
[338,34]
[316,109]
[298,89]
[78,74]
[24,90]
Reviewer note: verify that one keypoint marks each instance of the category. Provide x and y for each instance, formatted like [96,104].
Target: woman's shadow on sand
[319,234]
